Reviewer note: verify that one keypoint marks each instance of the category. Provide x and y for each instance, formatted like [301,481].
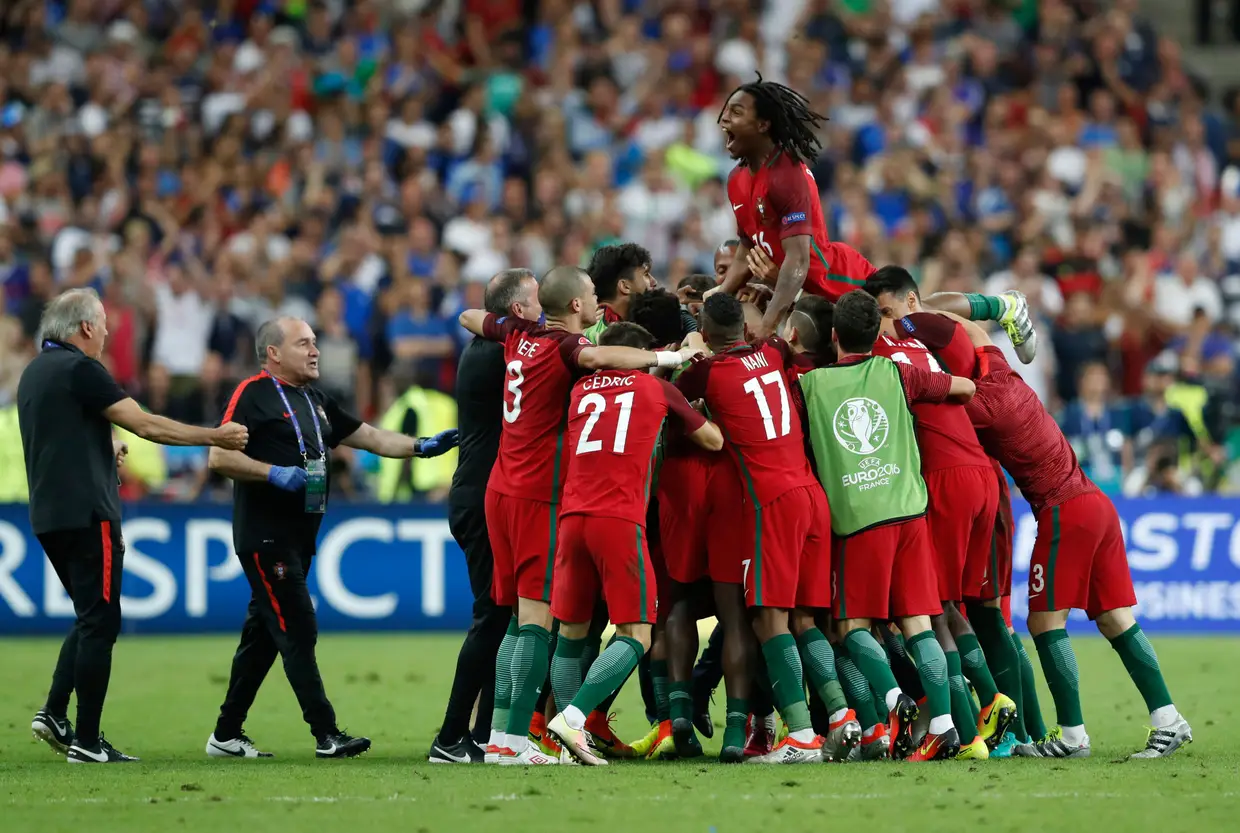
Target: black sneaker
[55,732]
[464,751]
[701,717]
[340,745]
[101,753]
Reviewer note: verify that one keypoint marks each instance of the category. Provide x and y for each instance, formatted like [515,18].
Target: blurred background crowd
[368,164]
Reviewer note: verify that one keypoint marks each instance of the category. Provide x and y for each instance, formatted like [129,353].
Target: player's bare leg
[1168,728]
[1002,663]
[783,663]
[691,603]
[1063,678]
[942,740]
[963,714]
[739,659]
[1010,309]
[608,673]
[818,660]
[529,666]
[871,660]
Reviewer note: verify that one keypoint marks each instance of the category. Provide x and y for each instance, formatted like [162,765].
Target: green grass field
[165,692]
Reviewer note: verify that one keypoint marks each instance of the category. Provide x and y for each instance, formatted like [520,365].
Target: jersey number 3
[512,410]
[596,404]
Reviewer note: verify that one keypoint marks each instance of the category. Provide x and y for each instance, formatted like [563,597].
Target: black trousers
[475,664]
[280,621]
[89,563]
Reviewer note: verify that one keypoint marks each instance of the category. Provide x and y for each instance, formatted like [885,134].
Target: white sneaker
[1162,742]
[574,741]
[239,747]
[530,756]
[792,751]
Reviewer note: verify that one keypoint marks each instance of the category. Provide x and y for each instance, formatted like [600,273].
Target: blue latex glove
[441,443]
[288,478]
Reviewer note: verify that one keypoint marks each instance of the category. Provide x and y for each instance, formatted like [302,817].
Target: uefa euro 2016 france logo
[860,425]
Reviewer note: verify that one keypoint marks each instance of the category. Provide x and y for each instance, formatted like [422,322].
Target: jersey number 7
[754,387]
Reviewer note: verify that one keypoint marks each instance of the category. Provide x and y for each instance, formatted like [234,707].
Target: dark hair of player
[658,311]
[813,318]
[792,122]
[627,334]
[723,319]
[560,287]
[504,290]
[612,264]
[894,279]
[856,322]
[699,284]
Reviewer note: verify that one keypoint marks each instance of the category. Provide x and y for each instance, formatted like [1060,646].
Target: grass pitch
[165,693]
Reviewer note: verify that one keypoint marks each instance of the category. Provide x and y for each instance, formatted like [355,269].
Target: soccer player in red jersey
[745,387]
[620,273]
[861,427]
[616,420]
[964,500]
[523,494]
[770,130]
[1079,559]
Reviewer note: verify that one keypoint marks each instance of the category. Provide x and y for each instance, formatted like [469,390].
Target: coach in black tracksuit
[67,403]
[480,401]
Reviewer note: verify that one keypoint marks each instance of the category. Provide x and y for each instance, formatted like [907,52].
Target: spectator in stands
[1094,424]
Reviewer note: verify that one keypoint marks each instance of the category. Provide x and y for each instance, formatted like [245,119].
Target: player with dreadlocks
[771,130]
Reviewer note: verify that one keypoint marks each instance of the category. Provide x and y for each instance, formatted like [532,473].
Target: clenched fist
[231,435]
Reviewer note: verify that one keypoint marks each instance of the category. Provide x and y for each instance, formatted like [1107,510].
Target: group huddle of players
[816,457]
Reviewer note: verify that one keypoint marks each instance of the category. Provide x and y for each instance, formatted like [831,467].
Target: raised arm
[473,320]
[792,274]
[738,273]
[128,415]
[632,358]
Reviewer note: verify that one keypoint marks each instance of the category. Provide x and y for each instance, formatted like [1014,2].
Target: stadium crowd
[369,164]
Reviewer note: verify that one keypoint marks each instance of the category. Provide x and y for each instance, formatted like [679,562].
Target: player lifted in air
[523,494]
[861,428]
[615,419]
[770,129]
[1079,559]
[787,564]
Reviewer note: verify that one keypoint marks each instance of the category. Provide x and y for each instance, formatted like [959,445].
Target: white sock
[1164,716]
[574,718]
[771,723]
[836,717]
[517,743]
[940,724]
[497,738]
[891,698]
[869,733]
[1074,735]
[802,735]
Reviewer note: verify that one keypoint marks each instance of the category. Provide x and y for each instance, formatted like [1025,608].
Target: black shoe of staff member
[340,745]
[56,733]
[101,753]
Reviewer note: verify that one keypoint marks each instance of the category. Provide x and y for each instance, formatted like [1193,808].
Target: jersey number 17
[755,388]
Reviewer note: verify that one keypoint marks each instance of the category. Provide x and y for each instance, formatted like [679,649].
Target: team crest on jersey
[761,203]
[861,425]
[280,570]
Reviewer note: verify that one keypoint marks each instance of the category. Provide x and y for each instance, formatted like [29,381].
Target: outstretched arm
[788,285]
[472,320]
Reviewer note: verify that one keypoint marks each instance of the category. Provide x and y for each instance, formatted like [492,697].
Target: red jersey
[780,200]
[746,390]
[540,368]
[946,339]
[1018,432]
[615,419]
[945,434]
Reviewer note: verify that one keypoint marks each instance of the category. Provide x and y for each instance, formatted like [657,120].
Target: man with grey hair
[67,404]
[281,488]
[480,404]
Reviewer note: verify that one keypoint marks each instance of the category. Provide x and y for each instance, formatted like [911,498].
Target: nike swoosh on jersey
[735,207]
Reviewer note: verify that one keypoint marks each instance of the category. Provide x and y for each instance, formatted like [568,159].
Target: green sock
[680,701]
[503,678]
[658,676]
[530,659]
[783,663]
[902,668]
[1134,648]
[819,662]
[1001,658]
[962,715]
[1028,706]
[856,689]
[567,671]
[869,657]
[985,307]
[932,668]
[973,666]
[1062,676]
[608,672]
[734,728]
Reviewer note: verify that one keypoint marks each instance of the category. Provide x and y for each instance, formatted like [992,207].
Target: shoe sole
[573,752]
[946,753]
[902,744]
[1002,722]
[339,754]
[848,743]
[731,755]
[704,725]
[432,759]
[682,734]
[45,734]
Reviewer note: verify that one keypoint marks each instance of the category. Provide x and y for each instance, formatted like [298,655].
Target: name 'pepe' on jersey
[781,200]
[615,419]
[945,433]
[746,391]
[540,366]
